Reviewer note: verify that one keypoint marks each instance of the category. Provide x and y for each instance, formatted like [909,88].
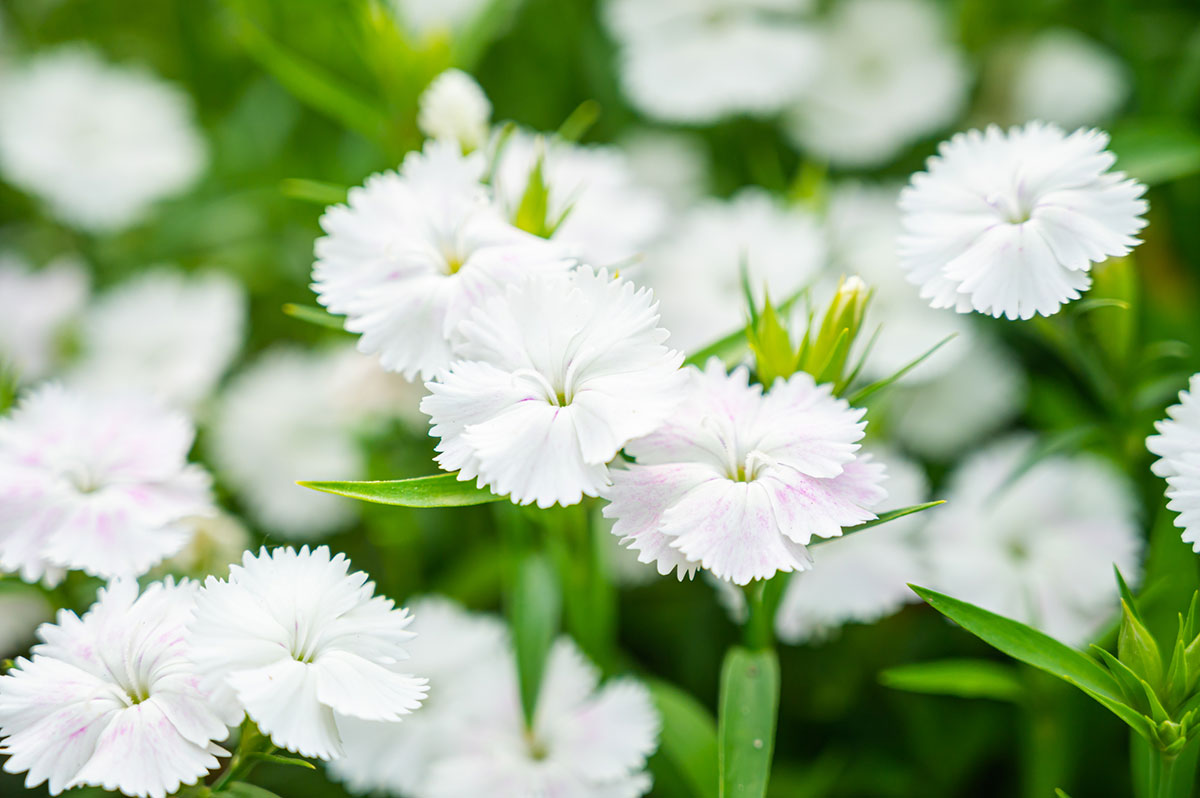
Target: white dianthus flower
[1010,223]
[454,108]
[36,306]
[432,18]
[163,332]
[586,740]
[1066,78]
[865,576]
[95,483]
[282,420]
[890,77]
[1039,549]
[696,271]
[675,163]
[97,143]
[112,700]
[301,642]
[695,61]
[554,378]
[737,481]
[456,650]
[609,216]
[411,253]
[1177,445]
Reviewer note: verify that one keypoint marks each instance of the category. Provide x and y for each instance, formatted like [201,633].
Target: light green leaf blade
[749,707]
[688,738]
[535,613]
[439,490]
[241,789]
[315,191]
[313,315]
[862,393]
[964,678]
[890,515]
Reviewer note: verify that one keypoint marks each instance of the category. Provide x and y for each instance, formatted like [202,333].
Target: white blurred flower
[609,215]
[1066,78]
[586,740]
[695,61]
[36,306]
[737,481]
[554,378]
[97,143]
[1039,549]
[890,77]
[673,163]
[1010,223]
[696,271]
[433,18]
[454,108]
[865,576]
[411,253]
[1177,445]
[279,421]
[162,332]
[216,542]
[98,483]
[301,642]
[111,699]
[21,611]
[455,650]
[363,389]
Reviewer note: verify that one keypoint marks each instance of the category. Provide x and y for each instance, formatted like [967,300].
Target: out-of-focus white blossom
[1039,549]
[21,612]
[673,163]
[112,699]
[435,18]
[97,143]
[299,642]
[36,307]
[162,332]
[97,483]
[1066,78]
[1010,222]
[1177,445]
[553,379]
[695,61]
[454,108]
[217,541]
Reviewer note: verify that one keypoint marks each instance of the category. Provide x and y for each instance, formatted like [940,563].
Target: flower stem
[251,743]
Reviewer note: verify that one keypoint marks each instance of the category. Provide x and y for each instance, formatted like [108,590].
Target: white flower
[737,481]
[35,309]
[411,253]
[457,651]
[454,108]
[163,332]
[431,18]
[1066,78]
[555,377]
[1177,445]
[586,741]
[282,420]
[21,611]
[362,389]
[609,215]
[1010,223]
[97,143]
[1039,549]
[300,643]
[890,76]
[865,576]
[111,700]
[216,542]
[676,164]
[95,483]
[696,271]
[695,61]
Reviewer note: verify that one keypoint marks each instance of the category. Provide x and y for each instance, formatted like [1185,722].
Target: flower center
[82,476]
[550,391]
[739,466]
[1014,206]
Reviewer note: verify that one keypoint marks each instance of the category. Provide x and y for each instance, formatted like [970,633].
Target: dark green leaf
[749,707]
[439,490]
[688,738]
[535,613]
[965,678]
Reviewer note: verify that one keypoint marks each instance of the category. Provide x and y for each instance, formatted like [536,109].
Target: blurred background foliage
[301,98]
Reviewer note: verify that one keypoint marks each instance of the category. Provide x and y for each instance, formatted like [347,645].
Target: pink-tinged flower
[737,481]
[111,699]
[1009,223]
[97,483]
[554,378]
[299,642]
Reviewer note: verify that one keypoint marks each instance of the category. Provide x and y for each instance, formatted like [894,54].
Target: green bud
[1137,649]
[774,355]
[535,201]
[825,353]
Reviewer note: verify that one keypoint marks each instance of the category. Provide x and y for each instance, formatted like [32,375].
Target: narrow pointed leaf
[535,613]
[579,121]
[965,678]
[289,761]
[688,738]
[314,315]
[862,393]
[749,707]
[314,191]
[241,789]
[890,515]
[439,490]
[1129,682]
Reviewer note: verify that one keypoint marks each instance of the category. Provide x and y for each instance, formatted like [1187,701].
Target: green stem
[1162,775]
[251,743]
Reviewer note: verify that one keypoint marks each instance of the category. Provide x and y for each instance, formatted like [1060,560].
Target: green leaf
[965,678]
[535,613]
[1138,649]
[1039,650]
[289,761]
[688,738]
[749,707]
[313,191]
[535,201]
[1157,151]
[240,789]
[439,490]
[579,121]
[1060,793]
[313,315]
[862,393]
[891,515]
